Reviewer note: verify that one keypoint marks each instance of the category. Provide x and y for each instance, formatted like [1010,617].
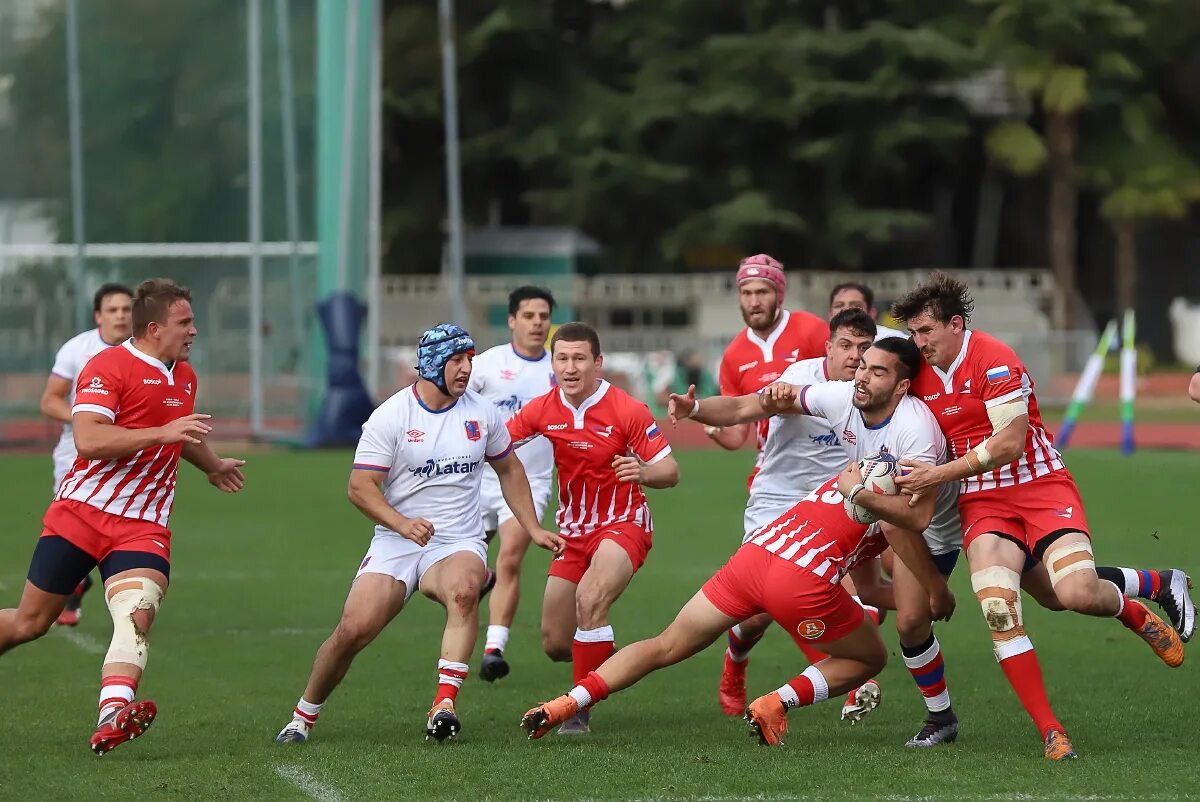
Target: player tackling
[132,419]
[416,475]
[1016,496]
[792,568]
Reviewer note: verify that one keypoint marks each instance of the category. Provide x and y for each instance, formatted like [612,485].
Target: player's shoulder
[984,349]
[913,411]
[492,356]
[806,371]
[622,402]
[805,321]
[184,372]
[738,346]
[83,341]
[117,357]
[473,400]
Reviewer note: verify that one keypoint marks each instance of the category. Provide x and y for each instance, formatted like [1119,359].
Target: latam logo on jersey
[510,404]
[473,432]
[443,467]
[95,386]
[827,439]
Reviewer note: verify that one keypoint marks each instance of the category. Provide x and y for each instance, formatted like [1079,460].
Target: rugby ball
[879,473]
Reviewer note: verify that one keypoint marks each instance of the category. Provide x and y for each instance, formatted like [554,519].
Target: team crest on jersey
[811,628]
[507,374]
[472,427]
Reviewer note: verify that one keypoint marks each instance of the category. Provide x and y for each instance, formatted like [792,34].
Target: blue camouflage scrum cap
[436,347]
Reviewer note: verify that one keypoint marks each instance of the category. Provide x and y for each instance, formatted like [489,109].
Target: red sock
[589,650]
[804,689]
[1132,614]
[1025,675]
[596,687]
[450,679]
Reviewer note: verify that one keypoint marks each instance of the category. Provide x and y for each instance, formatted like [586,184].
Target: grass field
[259,582]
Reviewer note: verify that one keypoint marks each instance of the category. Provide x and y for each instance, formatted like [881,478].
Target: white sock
[114,696]
[581,696]
[788,694]
[497,638]
[307,711]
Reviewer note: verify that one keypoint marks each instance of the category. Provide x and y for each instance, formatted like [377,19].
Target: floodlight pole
[254,199]
[454,268]
[75,125]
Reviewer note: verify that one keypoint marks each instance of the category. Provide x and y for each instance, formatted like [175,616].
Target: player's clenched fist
[188,429]
[418,530]
[550,541]
[778,397]
[681,406]
[629,469]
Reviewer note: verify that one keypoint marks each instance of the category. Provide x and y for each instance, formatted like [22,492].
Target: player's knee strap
[130,644]
[1063,560]
[999,592]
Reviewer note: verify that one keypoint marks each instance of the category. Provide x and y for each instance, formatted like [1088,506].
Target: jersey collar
[154,362]
[587,404]
[524,358]
[767,346]
[947,377]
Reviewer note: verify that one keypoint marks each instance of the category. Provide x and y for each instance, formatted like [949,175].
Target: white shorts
[405,561]
[495,511]
[762,510]
[64,458]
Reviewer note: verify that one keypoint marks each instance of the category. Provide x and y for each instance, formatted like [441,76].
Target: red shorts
[1033,515]
[810,608]
[101,533]
[577,557]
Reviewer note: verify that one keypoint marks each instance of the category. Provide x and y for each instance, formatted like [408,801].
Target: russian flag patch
[652,431]
[998,374]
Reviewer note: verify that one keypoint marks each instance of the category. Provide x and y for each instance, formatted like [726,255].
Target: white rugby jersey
[68,364]
[510,381]
[910,433]
[800,453]
[434,459]
[883,332]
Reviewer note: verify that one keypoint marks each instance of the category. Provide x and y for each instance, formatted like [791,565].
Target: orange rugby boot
[1162,639]
[1059,746]
[767,716]
[548,715]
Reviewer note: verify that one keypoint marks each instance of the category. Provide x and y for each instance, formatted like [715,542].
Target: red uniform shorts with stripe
[1032,514]
[101,533]
[811,608]
[577,557]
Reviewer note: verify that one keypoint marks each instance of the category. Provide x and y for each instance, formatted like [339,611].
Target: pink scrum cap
[764,267]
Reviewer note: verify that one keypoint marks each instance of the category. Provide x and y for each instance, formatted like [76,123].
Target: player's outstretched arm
[514,486]
[225,474]
[717,410]
[97,437]
[365,492]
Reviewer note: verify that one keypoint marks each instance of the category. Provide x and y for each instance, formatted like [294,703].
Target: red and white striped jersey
[987,373]
[817,535]
[136,391]
[609,424]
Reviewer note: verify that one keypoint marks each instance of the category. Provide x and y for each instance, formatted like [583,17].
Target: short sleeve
[999,377]
[499,442]
[524,426]
[918,436]
[646,440]
[66,363]
[380,437]
[99,388]
[828,400]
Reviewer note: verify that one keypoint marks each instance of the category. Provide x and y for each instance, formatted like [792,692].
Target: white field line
[1009,797]
[308,784]
[83,641]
